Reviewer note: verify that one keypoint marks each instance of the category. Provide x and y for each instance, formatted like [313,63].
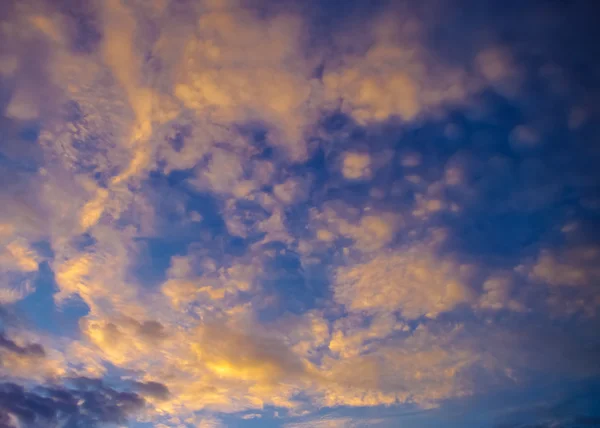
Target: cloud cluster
[254,217]
[410,281]
[86,403]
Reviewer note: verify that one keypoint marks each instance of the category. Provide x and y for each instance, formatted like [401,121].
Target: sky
[317,214]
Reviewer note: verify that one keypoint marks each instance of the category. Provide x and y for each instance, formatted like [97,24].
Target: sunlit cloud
[255,213]
[410,282]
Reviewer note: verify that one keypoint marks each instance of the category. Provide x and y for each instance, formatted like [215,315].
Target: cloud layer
[235,213]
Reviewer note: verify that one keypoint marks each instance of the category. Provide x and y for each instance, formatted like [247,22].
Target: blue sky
[227,213]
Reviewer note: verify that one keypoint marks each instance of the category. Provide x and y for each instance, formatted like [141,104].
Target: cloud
[152,389]
[27,350]
[411,281]
[369,230]
[216,365]
[412,368]
[393,78]
[252,416]
[124,340]
[266,206]
[574,267]
[351,338]
[18,265]
[498,293]
[22,106]
[570,274]
[222,79]
[356,166]
[495,64]
[85,402]
[22,358]
[97,275]
[210,284]
[28,357]
[292,190]
[247,358]
[120,55]
[328,422]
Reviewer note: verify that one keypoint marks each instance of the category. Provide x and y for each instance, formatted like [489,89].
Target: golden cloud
[409,280]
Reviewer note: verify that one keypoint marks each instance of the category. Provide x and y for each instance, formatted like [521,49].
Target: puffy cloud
[306,334]
[252,416]
[231,354]
[29,357]
[196,166]
[369,230]
[393,78]
[356,166]
[413,369]
[524,136]
[226,363]
[26,350]
[333,422]
[97,275]
[224,172]
[410,280]
[124,340]
[570,275]
[239,68]
[411,159]
[499,68]
[32,366]
[22,358]
[495,64]
[152,389]
[18,265]
[22,106]
[209,285]
[350,338]
[574,267]
[85,402]
[93,209]
[292,190]
[498,293]
[21,257]
[228,370]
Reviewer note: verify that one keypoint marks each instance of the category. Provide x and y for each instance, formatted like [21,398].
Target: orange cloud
[411,281]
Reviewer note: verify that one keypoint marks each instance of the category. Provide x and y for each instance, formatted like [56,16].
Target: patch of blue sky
[39,311]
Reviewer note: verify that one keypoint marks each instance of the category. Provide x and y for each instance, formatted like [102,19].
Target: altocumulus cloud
[257,213]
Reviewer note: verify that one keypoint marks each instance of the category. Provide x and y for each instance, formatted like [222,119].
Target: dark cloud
[83,403]
[83,25]
[28,350]
[152,330]
[152,389]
